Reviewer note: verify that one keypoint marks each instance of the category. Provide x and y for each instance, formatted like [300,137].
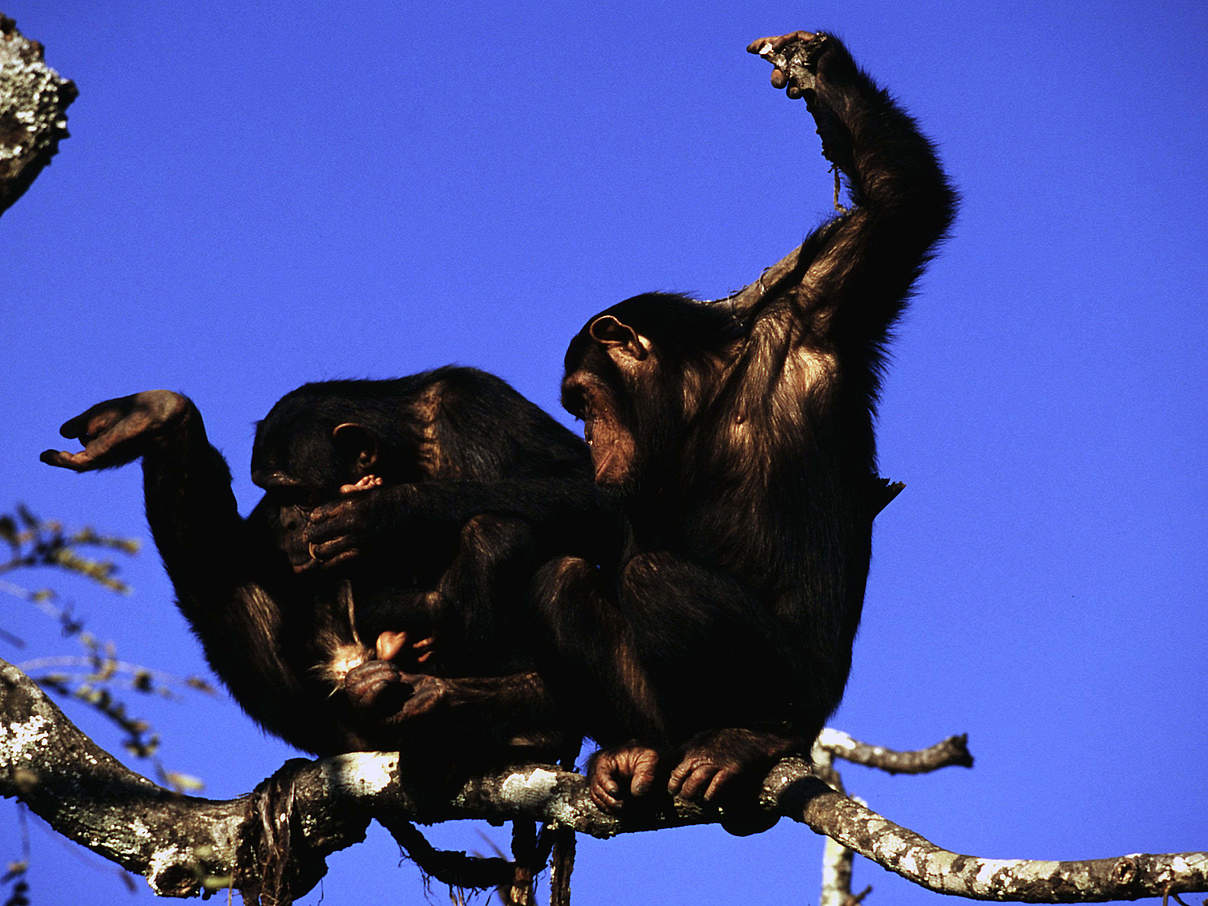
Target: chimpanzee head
[309,445]
[636,374]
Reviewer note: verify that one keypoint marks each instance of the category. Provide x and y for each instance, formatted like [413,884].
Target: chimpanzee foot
[621,774]
[726,768]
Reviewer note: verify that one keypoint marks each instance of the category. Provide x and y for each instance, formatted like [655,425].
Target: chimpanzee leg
[474,603]
[716,659]
[680,650]
[481,593]
[590,653]
[710,650]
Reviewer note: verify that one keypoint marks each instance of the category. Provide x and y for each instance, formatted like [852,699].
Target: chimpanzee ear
[613,334]
[357,441]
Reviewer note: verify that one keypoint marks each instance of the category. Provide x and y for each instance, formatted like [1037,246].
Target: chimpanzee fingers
[696,780]
[345,556]
[643,773]
[383,692]
[98,418]
[336,515]
[603,788]
[680,774]
[604,800]
[375,686]
[76,462]
[99,454]
[114,432]
[770,48]
[336,551]
[719,782]
[765,46]
[424,649]
[421,704]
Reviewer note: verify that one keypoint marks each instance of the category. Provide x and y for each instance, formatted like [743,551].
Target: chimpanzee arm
[561,512]
[219,564]
[391,703]
[852,275]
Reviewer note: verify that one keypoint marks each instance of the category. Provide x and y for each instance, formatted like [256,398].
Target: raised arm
[854,272]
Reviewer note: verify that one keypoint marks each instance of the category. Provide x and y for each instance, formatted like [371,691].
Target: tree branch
[272,843]
[33,112]
[906,853]
[953,751]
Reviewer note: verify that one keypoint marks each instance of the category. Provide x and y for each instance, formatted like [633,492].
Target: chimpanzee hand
[386,695]
[794,66]
[408,653]
[337,532]
[121,430]
[620,774]
[810,65]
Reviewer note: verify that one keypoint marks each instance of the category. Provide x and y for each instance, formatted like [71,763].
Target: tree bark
[33,112]
[271,844]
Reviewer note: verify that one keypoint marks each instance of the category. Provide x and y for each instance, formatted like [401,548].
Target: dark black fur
[739,437]
[480,485]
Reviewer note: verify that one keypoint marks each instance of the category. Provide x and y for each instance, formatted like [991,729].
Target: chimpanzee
[401,519]
[737,437]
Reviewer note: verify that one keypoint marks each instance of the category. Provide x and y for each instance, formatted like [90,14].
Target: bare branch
[33,112]
[917,859]
[953,751]
[273,842]
[836,874]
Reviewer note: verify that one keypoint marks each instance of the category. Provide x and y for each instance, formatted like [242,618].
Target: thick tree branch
[33,112]
[273,842]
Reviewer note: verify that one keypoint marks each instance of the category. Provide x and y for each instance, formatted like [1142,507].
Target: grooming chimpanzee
[737,437]
[397,512]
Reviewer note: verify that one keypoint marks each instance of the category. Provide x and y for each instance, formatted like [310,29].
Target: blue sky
[258,195]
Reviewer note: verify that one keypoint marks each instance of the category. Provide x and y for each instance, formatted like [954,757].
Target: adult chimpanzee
[738,437]
[433,497]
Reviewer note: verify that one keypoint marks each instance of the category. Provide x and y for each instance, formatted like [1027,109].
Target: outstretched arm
[217,562]
[186,481]
[858,267]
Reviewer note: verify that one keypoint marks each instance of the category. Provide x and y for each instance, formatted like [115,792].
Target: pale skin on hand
[636,764]
[390,645]
[767,47]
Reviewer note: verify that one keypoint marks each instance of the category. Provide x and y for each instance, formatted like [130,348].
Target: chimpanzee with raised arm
[737,437]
